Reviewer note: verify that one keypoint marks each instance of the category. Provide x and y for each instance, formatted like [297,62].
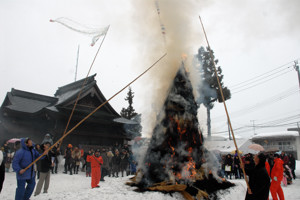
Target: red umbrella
[256,147]
[136,139]
[13,140]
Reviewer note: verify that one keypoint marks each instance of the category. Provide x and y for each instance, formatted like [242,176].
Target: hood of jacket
[24,146]
[279,161]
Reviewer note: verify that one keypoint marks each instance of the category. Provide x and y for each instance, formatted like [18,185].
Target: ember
[175,157]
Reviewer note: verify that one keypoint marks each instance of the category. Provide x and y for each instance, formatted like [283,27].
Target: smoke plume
[177,19]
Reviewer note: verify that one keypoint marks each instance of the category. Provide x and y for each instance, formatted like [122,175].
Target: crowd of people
[266,172]
[231,168]
[113,161]
[117,160]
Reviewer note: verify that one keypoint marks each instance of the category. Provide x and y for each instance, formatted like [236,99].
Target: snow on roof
[222,137]
[125,121]
[227,146]
[276,134]
[63,97]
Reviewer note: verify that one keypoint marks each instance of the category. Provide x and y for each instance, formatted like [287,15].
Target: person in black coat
[228,165]
[292,164]
[55,152]
[259,180]
[124,162]
[237,167]
[46,165]
[68,159]
[116,160]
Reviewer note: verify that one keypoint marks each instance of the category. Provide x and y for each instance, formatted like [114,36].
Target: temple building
[25,114]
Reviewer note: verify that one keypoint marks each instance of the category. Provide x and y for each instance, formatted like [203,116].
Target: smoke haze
[176,17]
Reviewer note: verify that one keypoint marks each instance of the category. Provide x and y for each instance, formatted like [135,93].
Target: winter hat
[262,158]
[70,146]
[47,143]
[276,155]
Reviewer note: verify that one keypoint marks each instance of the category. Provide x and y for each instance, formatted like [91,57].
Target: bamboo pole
[83,84]
[95,110]
[223,99]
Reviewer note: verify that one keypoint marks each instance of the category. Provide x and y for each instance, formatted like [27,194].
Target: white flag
[95,33]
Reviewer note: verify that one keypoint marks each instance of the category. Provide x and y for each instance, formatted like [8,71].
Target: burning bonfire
[176,160]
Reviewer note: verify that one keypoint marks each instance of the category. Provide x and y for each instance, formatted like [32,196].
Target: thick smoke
[181,36]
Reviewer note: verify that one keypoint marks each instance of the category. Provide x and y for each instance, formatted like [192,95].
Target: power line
[249,128]
[250,82]
[278,125]
[286,119]
[283,114]
[263,74]
[260,83]
[268,124]
[266,102]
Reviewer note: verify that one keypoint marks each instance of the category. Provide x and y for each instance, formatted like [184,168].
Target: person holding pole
[259,180]
[23,158]
[46,165]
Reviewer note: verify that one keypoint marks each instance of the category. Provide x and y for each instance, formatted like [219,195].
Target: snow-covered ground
[67,187]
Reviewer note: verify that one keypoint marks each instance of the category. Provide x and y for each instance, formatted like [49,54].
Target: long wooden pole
[223,99]
[95,110]
[83,84]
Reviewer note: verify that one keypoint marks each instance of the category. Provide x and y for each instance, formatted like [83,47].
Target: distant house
[287,141]
[25,114]
[226,146]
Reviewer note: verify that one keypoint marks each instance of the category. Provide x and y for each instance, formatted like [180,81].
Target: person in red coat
[96,162]
[277,176]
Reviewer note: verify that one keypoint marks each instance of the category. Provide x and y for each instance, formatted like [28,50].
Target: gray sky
[250,38]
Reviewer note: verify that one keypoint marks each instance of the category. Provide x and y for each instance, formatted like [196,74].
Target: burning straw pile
[175,159]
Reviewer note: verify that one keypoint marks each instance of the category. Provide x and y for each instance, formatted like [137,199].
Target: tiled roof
[28,102]
[22,101]
[74,86]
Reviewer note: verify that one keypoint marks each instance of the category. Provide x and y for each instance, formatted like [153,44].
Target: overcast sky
[256,42]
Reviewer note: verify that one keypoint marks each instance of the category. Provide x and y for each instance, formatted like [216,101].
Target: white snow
[227,146]
[67,187]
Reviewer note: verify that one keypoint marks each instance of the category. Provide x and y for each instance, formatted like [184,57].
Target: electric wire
[267,102]
[249,80]
[260,83]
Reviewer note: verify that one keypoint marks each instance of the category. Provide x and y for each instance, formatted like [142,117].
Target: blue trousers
[22,192]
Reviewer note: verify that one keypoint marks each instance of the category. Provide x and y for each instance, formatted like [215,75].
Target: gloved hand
[275,178]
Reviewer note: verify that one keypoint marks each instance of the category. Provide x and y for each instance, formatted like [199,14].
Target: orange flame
[181,130]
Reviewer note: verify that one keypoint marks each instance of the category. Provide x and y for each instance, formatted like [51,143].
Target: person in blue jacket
[23,157]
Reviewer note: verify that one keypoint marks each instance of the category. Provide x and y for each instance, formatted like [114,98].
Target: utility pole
[253,126]
[229,131]
[296,67]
